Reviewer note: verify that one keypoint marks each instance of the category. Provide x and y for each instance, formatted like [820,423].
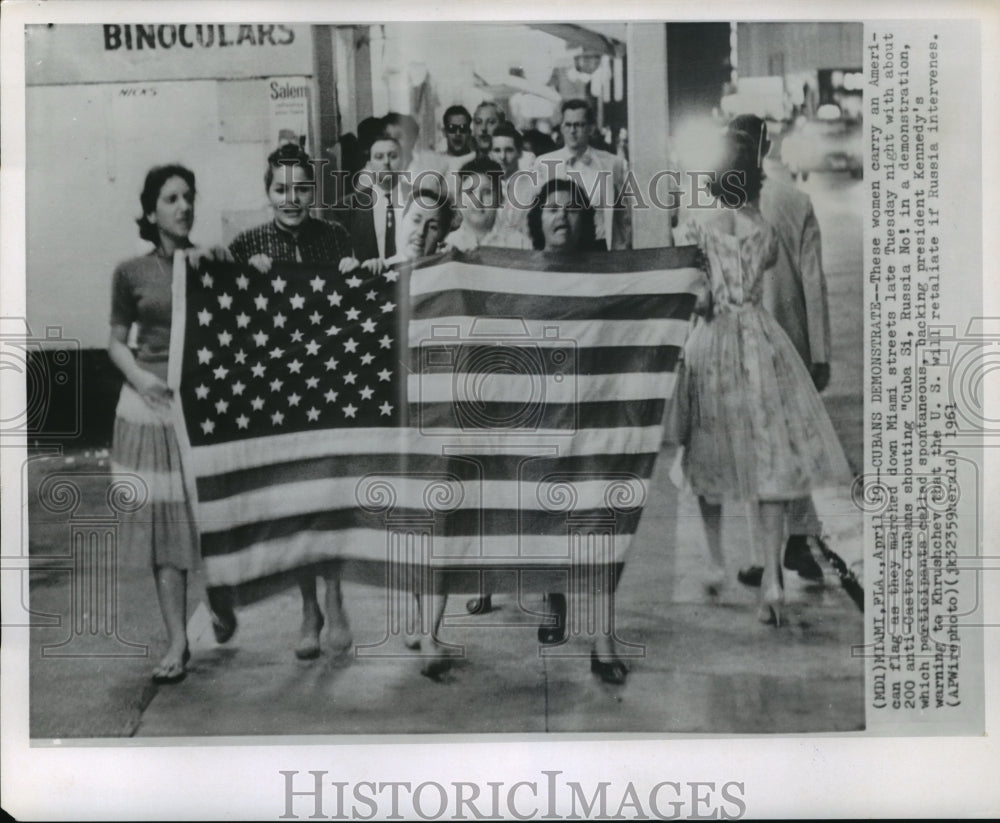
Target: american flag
[508,398]
[288,383]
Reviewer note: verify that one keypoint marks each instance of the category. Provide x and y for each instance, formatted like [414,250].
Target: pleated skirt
[145,444]
[752,423]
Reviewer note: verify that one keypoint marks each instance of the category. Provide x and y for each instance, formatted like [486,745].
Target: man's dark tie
[390,231]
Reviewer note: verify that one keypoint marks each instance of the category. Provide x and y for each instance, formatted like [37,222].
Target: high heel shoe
[612,672]
[549,635]
[771,607]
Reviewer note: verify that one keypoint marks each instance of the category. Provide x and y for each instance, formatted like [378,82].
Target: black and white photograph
[429,380]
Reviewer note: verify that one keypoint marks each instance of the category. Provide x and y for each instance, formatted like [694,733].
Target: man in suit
[796,296]
[374,210]
[600,173]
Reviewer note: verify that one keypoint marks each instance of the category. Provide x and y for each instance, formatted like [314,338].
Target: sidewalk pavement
[704,664]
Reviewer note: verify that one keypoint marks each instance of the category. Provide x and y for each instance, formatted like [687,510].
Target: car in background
[830,141]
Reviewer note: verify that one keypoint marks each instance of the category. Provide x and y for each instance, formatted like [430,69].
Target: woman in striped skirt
[144,441]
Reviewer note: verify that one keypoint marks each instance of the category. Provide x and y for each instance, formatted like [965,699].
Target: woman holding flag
[144,441]
[562,223]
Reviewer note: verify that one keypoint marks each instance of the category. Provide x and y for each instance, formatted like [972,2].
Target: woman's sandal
[171,676]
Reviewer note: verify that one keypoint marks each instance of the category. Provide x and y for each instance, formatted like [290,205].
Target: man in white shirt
[457,123]
[479,203]
[485,119]
[517,186]
[600,173]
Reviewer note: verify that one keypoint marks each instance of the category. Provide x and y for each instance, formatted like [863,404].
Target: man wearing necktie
[600,173]
[390,231]
[371,211]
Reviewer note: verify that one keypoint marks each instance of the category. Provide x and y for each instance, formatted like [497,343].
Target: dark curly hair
[739,177]
[289,155]
[155,179]
[578,202]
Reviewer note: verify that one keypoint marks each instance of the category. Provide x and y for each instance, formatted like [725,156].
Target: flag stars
[260,302]
[240,357]
[312,414]
[354,281]
[367,358]
[220,373]
[353,314]
[276,385]
[278,284]
[350,410]
[206,280]
[222,406]
[296,336]
[293,399]
[258,369]
[350,345]
[201,392]
[242,320]
[242,421]
[297,301]
[225,338]
[278,418]
[315,318]
[350,377]
[368,325]
[279,320]
[242,282]
[312,348]
[334,298]
[294,366]
[312,382]
[333,331]
[317,283]
[204,317]
[331,364]
[387,306]
[372,295]
[384,375]
[385,409]
[260,338]
[225,301]
[257,403]
[391,275]
[238,388]
[208,426]
[276,353]
[385,342]
[204,355]
[367,392]
[330,396]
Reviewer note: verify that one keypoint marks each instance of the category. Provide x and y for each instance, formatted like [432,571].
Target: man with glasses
[457,124]
[600,173]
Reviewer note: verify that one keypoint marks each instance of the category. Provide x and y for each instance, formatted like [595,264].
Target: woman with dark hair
[293,235]
[561,219]
[754,428]
[562,223]
[144,441]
